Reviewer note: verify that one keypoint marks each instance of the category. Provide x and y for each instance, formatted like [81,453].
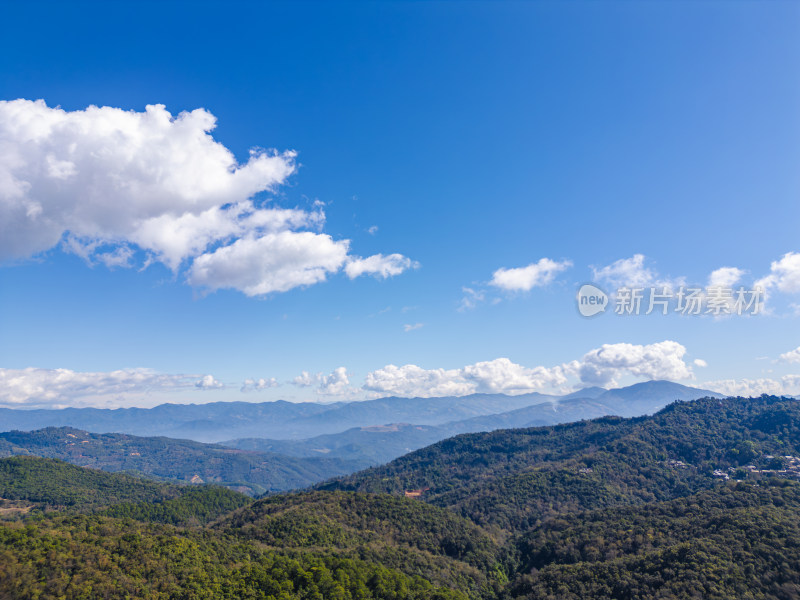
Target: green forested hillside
[98,557]
[44,484]
[52,483]
[193,505]
[116,536]
[735,541]
[510,480]
[405,534]
[645,508]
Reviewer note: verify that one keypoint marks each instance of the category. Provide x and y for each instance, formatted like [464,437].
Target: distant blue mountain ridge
[371,431]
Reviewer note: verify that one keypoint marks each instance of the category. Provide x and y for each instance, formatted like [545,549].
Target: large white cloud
[784,274]
[662,360]
[411,380]
[54,388]
[523,279]
[106,174]
[107,182]
[503,376]
[275,262]
[601,366]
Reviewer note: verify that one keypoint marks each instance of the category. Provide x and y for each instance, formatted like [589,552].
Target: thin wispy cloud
[379,266]
[55,388]
[260,384]
[633,273]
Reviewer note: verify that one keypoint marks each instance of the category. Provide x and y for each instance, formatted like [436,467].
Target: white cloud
[273,263]
[601,366]
[335,384]
[411,380]
[632,272]
[379,266]
[503,376]
[305,379]
[750,387]
[107,183]
[256,385]
[725,277]
[208,383]
[408,327]
[715,298]
[699,362]
[793,356]
[495,376]
[372,230]
[108,174]
[784,274]
[187,235]
[629,272]
[536,274]
[118,257]
[663,360]
[56,388]
[791,384]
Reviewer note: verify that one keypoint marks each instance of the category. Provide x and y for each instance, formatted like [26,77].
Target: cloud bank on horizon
[125,188]
[605,366]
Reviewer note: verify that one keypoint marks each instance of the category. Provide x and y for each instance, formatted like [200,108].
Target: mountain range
[377,444]
[256,466]
[219,421]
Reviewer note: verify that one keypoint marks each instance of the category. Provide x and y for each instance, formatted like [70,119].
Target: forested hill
[31,485]
[512,479]
[738,540]
[90,534]
[644,509]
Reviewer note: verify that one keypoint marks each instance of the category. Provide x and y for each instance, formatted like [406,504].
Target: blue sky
[446,141]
